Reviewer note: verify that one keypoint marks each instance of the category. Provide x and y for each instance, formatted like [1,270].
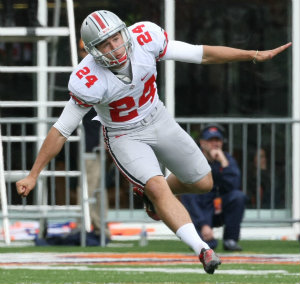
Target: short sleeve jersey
[118,104]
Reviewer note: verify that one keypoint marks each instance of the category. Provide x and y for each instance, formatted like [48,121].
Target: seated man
[225,204]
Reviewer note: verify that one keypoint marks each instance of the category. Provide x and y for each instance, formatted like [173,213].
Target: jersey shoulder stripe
[80,102]
[162,53]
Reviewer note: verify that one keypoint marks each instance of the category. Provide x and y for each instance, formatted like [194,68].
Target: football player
[118,79]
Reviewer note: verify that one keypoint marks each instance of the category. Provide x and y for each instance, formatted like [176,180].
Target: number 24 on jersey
[124,109]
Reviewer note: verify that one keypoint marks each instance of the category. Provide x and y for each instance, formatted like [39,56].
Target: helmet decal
[98,20]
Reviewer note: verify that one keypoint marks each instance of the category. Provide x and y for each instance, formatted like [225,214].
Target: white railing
[273,134]
[16,163]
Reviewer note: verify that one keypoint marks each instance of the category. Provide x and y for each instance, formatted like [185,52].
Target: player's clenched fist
[24,186]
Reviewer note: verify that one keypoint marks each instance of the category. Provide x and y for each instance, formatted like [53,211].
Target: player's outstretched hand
[24,186]
[265,55]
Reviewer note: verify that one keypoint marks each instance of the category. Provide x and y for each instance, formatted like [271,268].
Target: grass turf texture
[282,274]
[259,247]
[181,273]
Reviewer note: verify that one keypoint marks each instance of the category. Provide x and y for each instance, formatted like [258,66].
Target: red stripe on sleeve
[99,21]
[165,50]
[79,102]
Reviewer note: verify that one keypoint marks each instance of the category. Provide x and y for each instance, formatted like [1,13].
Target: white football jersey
[118,104]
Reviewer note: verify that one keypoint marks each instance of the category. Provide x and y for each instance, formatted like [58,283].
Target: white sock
[188,234]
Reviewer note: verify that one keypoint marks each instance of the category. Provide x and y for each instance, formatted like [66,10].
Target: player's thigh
[136,160]
[181,155]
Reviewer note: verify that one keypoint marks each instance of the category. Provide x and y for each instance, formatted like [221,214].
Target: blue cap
[212,132]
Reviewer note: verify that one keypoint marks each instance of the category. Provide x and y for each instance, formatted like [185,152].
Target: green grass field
[125,272]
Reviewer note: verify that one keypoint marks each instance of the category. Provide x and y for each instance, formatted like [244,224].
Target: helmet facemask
[98,27]
[112,61]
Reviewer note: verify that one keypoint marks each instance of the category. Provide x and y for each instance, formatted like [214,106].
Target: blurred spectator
[17,53]
[81,51]
[225,204]
[264,175]
[261,168]
[9,19]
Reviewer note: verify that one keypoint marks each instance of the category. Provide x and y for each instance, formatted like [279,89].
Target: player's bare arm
[50,148]
[223,54]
